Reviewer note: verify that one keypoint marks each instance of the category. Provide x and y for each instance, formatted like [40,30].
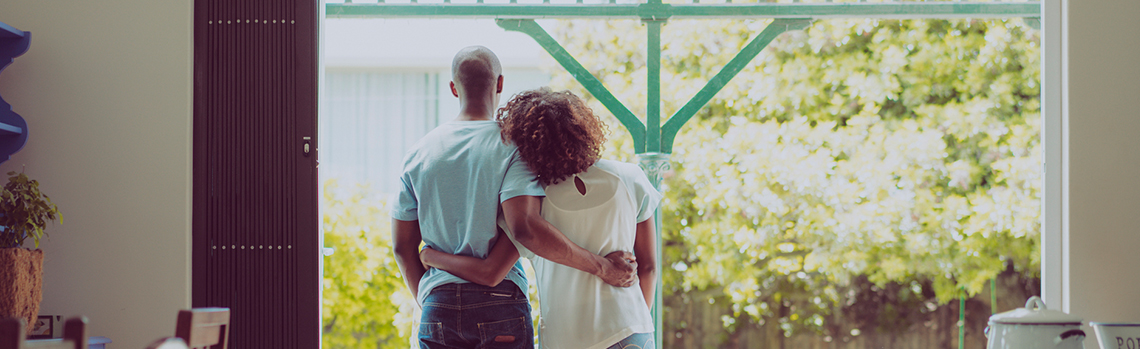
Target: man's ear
[454,92]
[499,87]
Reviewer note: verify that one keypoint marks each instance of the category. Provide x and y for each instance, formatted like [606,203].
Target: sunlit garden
[861,184]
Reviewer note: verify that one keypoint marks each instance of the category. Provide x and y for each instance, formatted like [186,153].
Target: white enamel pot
[1034,327]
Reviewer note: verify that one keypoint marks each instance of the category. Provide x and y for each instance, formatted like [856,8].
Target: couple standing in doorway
[525,180]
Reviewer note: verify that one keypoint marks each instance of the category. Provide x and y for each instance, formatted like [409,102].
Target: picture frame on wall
[43,327]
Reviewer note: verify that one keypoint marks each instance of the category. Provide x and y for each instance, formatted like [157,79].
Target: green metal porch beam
[632,124]
[653,139]
[777,27]
[909,10]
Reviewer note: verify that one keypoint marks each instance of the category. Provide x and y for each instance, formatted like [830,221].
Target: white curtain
[369,120]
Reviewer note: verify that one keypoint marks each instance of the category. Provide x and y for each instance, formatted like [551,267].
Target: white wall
[106,91]
[1103,75]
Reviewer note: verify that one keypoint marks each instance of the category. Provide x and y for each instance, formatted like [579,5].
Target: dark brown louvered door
[255,228]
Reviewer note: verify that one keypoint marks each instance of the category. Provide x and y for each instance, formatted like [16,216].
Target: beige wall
[1104,160]
[106,91]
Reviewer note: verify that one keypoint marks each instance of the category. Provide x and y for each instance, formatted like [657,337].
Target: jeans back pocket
[431,333]
[509,333]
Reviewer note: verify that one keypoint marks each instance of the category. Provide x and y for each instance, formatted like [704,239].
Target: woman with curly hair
[601,205]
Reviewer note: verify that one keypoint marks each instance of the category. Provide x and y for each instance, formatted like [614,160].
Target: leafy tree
[851,157]
[364,303]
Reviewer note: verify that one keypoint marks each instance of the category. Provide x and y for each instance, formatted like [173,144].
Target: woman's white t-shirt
[577,309]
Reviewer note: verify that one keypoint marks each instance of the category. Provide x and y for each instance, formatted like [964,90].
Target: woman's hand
[423,256]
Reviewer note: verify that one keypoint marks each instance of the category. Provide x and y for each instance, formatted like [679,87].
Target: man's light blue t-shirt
[453,182]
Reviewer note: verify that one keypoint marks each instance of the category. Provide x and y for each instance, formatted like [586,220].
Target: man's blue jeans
[476,316]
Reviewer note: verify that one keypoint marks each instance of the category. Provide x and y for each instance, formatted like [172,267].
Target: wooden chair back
[168,343]
[12,335]
[207,328]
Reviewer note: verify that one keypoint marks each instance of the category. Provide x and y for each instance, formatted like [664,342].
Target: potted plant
[24,212]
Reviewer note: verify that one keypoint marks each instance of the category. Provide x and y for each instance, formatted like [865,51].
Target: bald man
[454,182]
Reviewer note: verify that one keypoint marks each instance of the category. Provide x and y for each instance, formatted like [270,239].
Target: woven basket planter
[21,280]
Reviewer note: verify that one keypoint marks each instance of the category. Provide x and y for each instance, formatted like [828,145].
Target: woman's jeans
[476,316]
[635,341]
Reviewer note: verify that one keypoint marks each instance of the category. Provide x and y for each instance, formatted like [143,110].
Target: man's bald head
[475,70]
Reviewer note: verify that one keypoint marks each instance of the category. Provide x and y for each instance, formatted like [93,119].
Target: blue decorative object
[13,128]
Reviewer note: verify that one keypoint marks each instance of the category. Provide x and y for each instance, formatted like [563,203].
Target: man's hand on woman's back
[524,219]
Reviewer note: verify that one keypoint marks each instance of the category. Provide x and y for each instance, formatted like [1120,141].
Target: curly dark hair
[556,133]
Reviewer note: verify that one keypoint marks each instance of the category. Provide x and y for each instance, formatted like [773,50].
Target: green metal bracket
[1033,22]
[773,30]
[584,77]
[652,136]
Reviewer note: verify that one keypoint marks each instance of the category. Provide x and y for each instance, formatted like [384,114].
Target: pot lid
[1034,313]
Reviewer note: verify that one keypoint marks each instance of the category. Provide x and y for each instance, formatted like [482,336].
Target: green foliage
[903,153]
[25,211]
[364,303]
